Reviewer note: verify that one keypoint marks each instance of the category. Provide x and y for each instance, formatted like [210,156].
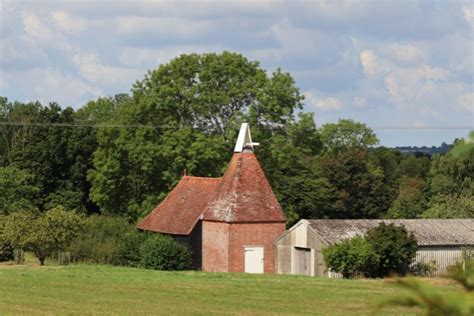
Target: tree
[43,235]
[451,184]
[360,186]
[17,190]
[410,200]
[186,115]
[53,146]
[351,257]
[395,248]
[347,133]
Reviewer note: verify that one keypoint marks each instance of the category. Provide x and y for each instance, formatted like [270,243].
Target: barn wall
[443,256]
[300,236]
[215,246]
[253,234]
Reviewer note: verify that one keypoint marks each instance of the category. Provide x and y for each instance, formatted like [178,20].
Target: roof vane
[244,140]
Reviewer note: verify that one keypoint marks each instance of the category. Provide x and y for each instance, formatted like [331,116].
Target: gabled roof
[244,194]
[428,232]
[178,213]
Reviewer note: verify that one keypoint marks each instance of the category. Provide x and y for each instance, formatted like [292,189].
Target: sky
[405,68]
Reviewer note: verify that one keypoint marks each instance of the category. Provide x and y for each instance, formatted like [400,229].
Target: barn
[230,223]
[439,240]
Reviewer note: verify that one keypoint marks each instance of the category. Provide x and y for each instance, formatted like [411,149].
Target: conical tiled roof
[244,194]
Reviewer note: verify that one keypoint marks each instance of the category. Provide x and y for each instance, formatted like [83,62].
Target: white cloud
[360,102]
[407,53]
[466,101]
[468,13]
[324,104]
[34,28]
[67,23]
[165,26]
[48,84]
[412,84]
[149,57]
[371,64]
[92,69]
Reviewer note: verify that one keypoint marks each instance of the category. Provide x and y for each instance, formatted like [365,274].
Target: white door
[253,259]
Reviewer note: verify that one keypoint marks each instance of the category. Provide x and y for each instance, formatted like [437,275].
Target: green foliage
[347,133]
[17,190]
[161,252]
[410,200]
[128,253]
[351,257]
[385,250]
[102,240]
[360,186]
[395,248]
[43,235]
[451,185]
[424,268]
[54,154]
[6,249]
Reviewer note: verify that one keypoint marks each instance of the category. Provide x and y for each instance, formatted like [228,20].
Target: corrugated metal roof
[428,232]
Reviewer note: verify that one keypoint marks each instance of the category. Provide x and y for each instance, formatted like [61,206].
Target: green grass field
[93,289]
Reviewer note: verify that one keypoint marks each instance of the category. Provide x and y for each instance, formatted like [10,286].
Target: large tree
[186,115]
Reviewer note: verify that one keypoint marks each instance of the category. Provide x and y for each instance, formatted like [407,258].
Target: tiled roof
[180,210]
[244,194]
[428,232]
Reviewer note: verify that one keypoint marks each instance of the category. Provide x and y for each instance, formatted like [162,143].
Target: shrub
[164,253]
[423,268]
[129,250]
[351,257]
[395,248]
[101,240]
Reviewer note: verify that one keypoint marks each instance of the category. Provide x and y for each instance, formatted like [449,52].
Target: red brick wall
[215,245]
[223,244]
[257,234]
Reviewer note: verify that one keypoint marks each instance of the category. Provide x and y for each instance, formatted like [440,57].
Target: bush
[129,250]
[351,257]
[395,248]
[101,240]
[161,252]
[423,268]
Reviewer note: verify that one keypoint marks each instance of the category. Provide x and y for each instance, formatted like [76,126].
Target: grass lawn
[94,289]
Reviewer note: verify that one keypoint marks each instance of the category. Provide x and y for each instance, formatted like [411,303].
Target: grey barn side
[299,249]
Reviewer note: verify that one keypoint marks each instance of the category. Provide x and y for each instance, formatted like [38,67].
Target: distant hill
[424,149]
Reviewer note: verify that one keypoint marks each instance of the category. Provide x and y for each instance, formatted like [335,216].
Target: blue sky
[406,64]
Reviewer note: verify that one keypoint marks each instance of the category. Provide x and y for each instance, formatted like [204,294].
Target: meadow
[96,290]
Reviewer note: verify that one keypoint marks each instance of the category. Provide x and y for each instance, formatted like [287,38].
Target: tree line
[121,155]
